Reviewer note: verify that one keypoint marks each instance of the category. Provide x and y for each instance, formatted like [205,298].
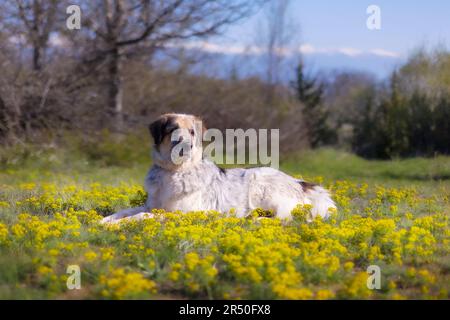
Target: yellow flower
[27,186]
[53,252]
[3,233]
[427,276]
[44,270]
[107,253]
[90,255]
[4,204]
[211,252]
[357,287]
[397,296]
[392,285]
[120,284]
[18,231]
[285,292]
[348,266]
[324,295]
[174,275]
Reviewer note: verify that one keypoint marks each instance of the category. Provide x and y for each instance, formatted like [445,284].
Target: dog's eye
[191,132]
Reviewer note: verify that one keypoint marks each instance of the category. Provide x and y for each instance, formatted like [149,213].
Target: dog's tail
[320,199]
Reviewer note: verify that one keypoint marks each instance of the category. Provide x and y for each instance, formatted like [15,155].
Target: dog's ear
[157,129]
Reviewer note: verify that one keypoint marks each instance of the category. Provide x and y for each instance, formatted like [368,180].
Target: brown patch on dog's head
[307,185]
[191,127]
[161,127]
[167,123]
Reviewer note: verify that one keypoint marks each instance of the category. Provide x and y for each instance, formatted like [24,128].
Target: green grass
[415,187]
[335,165]
[108,160]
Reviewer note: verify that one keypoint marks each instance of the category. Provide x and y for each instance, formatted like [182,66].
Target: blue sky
[333,34]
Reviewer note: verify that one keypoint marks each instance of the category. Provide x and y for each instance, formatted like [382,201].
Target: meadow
[393,214]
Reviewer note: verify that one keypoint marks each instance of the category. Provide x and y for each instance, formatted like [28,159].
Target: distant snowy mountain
[228,61]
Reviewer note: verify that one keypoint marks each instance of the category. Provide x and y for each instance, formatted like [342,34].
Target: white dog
[195,183]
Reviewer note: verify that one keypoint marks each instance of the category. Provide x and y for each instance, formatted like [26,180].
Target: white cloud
[216,48]
[348,51]
[229,49]
[307,49]
[352,52]
[384,53]
[304,49]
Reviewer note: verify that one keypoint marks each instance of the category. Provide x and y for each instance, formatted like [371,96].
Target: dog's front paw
[108,220]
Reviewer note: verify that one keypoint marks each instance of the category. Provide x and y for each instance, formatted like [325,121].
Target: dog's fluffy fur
[198,184]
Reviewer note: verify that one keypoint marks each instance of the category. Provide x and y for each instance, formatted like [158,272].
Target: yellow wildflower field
[47,225]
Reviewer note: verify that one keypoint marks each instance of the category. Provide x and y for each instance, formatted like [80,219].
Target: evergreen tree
[365,130]
[396,121]
[309,92]
[420,124]
[441,126]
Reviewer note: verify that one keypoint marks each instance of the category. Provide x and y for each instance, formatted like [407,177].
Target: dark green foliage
[403,125]
[421,119]
[309,92]
[409,115]
[441,130]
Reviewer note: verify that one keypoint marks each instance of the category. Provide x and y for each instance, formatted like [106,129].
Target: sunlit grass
[390,214]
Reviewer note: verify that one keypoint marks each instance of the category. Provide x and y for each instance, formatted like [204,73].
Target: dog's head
[177,140]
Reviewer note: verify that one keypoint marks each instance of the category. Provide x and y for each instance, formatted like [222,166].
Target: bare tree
[32,21]
[118,29]
[275,33]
